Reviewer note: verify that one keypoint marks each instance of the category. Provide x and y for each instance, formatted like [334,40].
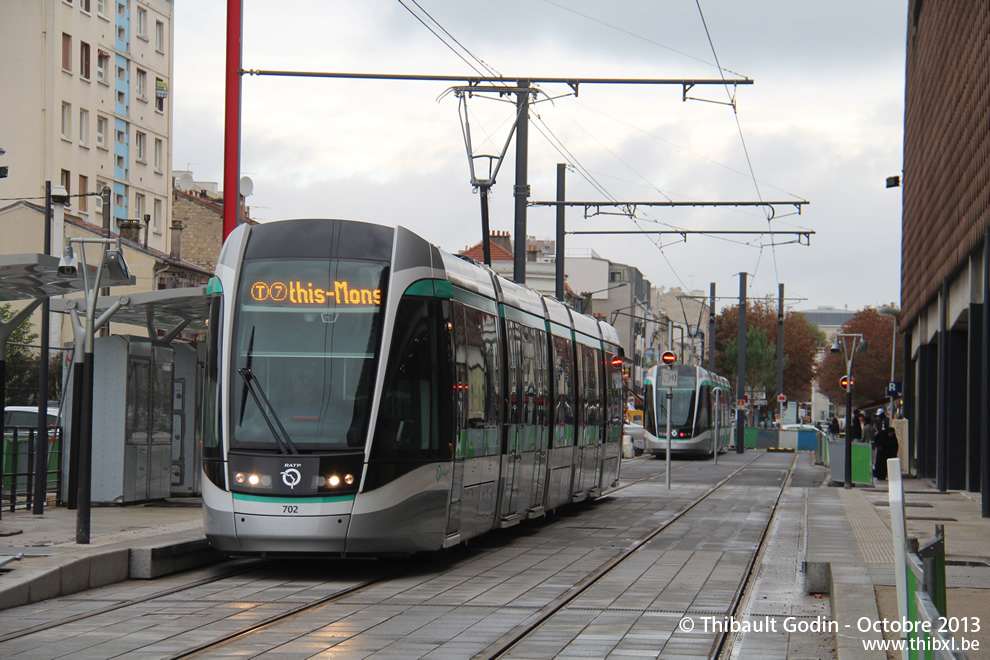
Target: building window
[66,121]
[84,60]
[122,10]
[142,22]
[159,36]
[102,64]
[156,217]
[98,201]
[141,84]
[121,137]
[101,7]
[121,98]
[66,181]
[140,140]
[139,206]
[101,132]
[160,91]
[84,5]
[66,52]
[83,127]
[83,191]
[159,149]
[121,165]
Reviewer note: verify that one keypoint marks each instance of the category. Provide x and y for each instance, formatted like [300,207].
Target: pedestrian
[833,428]
[868,430]
[886,443]
[882,422]
[856,432]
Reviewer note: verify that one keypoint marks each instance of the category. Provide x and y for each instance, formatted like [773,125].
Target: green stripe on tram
[292,500]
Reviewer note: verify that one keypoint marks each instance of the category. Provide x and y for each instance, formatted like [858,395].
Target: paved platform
[847,531]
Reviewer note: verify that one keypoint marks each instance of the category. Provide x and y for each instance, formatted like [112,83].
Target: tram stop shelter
[145,390]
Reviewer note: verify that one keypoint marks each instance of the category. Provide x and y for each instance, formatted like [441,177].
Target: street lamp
[891,311]
[851,344]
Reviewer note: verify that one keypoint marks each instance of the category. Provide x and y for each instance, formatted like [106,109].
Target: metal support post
[521,189]
[741,372]
[561,210]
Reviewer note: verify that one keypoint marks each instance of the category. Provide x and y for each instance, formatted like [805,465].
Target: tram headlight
[334,481]
[348,479]
[263,480]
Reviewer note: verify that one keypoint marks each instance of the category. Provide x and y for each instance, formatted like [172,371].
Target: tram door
[512,452]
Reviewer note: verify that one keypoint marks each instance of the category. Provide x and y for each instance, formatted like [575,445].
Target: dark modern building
[945,242]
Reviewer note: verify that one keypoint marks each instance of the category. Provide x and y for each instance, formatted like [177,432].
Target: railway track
[283,606]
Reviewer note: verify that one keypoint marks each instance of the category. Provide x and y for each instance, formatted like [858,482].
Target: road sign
[847,383]
[782,398]
[668,377]
[741,404]
[668,357]
[894,389]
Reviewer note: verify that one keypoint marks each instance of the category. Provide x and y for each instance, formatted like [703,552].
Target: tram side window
[541,375]
[514,359]
[590,394]
[563,377]
[408,425]
[704,422]
[649,405]
[210,408]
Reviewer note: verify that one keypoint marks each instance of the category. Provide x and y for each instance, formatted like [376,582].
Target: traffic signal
[846,383]
[668,357]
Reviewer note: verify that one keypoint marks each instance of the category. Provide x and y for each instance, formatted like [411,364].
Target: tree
[801,343]
[761,361]
[22,378]
[871,370]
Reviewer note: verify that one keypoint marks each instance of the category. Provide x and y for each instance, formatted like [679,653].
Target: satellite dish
[246,186]
[184,182]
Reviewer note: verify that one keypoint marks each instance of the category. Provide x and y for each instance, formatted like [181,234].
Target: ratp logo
[291,477]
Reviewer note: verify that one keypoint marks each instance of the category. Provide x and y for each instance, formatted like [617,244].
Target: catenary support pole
[780,351]
[561,210]
[521,189]
[40,494]
[741,372]
[232,117]
[711,330]
[486,234]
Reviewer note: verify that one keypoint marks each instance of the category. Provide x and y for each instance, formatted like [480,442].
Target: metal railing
[18,466]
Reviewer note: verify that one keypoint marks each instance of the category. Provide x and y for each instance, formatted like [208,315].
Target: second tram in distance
[700,419]
[369,393]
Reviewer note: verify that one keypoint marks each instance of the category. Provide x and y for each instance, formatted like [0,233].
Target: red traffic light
[846,383]
[669,357]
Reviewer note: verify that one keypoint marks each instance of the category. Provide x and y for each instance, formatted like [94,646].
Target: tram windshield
[305,340]
[682,403]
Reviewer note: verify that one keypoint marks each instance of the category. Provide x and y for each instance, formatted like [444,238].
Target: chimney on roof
[502,239]
[176,250]
[130,230]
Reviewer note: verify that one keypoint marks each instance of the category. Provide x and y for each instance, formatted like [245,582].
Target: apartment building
[85,103]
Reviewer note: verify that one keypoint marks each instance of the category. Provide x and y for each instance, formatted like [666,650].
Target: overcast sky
[822,122]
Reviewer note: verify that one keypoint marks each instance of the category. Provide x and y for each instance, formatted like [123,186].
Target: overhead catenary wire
[742,139]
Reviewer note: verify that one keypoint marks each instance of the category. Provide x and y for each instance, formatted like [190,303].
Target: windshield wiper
[252,385]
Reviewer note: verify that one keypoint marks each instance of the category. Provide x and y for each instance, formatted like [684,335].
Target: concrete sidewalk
[41,559]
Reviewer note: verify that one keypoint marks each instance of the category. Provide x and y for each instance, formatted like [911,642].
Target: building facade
[945,223]
[87,106]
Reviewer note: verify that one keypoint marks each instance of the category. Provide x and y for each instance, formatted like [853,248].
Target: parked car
[27,416]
